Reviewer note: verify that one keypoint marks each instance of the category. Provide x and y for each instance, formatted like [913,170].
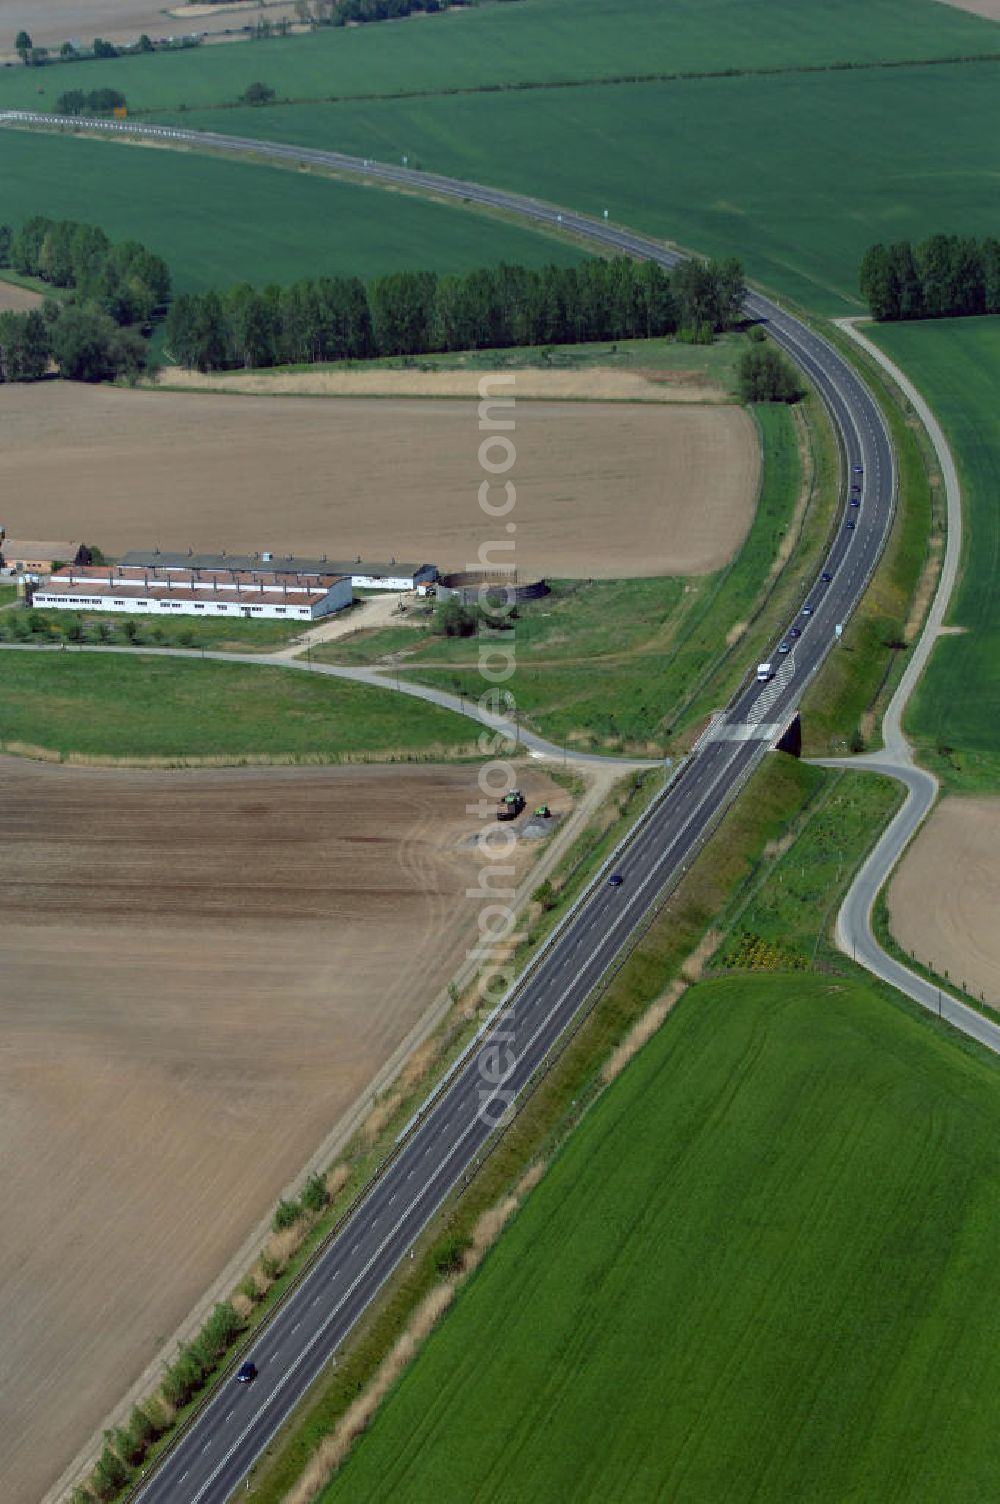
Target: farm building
[366,574]
[33,557]
[259,593]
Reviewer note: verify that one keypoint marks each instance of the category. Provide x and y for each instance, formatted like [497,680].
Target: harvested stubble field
[603,490]
[988,9]
[942,901]
[202,972]
[593,383]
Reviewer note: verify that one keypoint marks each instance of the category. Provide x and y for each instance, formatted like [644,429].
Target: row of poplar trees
[414,313]
[946,276]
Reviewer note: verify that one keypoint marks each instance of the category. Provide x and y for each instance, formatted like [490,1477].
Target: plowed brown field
[14,299]
[988,9]
[200,972]
[943,898]
[52,22]
[603,489]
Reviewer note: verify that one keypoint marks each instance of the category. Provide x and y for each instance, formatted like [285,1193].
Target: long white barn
[251,595]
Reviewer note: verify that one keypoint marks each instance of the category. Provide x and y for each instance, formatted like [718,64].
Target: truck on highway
[764,672]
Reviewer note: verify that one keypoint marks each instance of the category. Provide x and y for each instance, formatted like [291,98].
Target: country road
[854,933]
[215,1452]
[500,725]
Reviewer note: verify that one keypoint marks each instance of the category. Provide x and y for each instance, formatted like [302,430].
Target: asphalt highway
[213,1456]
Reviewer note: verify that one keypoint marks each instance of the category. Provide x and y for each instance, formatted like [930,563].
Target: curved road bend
[855,936]
[214,1454]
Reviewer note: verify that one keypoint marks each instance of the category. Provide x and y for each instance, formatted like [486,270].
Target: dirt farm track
[605,489]
[201,971]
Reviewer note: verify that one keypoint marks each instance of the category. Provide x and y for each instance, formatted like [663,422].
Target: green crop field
[796,174]
[617,662]
[534,41]
[104,707]
[796,171]
[219,222]
[748,1275]
[955,715]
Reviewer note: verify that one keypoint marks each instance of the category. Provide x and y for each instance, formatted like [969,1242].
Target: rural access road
[444,1143]
[854,933]
[502,728]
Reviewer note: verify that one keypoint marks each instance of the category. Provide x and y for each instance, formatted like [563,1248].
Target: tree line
[96,102]
[342,12]
[94,334]
[126,280]
[69,52]
[946,276]
[82,342]
[412,313]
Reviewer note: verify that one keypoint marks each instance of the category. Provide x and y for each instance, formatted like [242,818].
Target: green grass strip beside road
[94,707]
[712,364]
[953,716]
[845,702]
[783,921]
[124,630]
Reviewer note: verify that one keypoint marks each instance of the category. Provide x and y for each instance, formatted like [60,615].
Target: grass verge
[953,715]
[783,920]
[122,630]
[842,708]
[115,708]
[660,359]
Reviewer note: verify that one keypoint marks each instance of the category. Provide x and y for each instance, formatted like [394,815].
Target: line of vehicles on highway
[765,671]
